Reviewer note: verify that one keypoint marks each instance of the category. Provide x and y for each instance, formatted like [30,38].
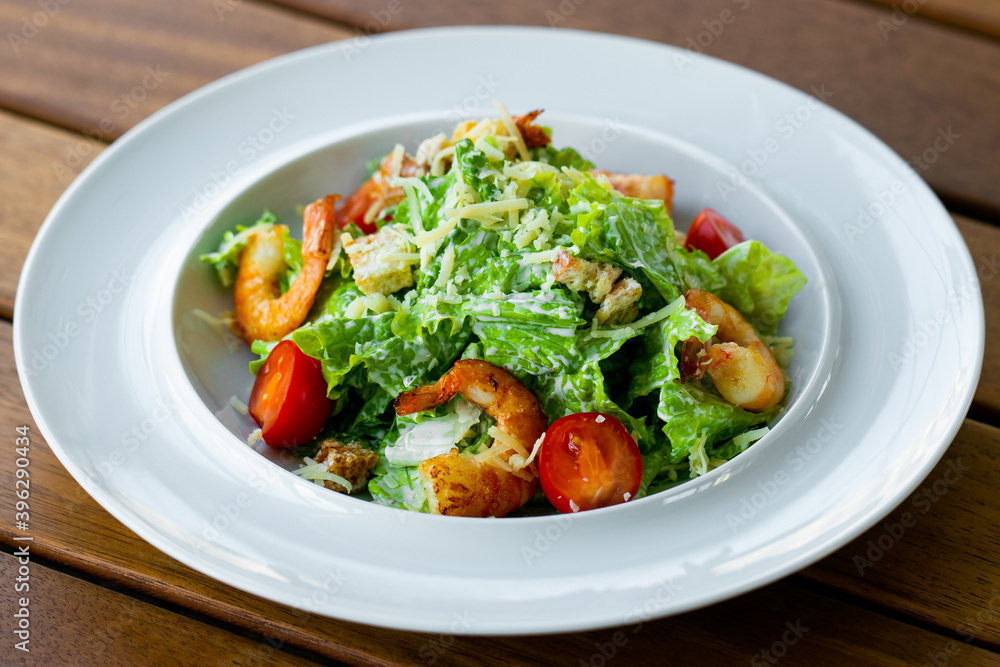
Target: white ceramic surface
[132,395]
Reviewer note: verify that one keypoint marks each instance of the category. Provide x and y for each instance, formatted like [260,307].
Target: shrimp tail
[423,398]
[319,215]
[262,312]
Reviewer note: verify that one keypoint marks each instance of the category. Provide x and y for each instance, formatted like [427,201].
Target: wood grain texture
[101,66]
[984,246]
[38,163]
[979,15]
[71,529]
[935,557]
[906,87]
[75,622]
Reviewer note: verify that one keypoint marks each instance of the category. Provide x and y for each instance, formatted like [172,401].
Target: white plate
[889,331]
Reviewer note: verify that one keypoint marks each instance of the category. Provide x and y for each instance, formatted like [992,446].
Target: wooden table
[75,75]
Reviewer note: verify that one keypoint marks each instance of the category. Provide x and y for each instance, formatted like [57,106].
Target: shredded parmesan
[483,212]
[437,164]
[544,257]
[522,148]
[507,440]
[434,235]
[356,308]
[239,405]
[404,257]
[379,303]
[537,447]
[318,473]
[447,266]
[396,164]
[254,436]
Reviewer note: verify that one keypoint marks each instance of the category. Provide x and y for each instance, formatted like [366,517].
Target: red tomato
[589,460]
[712,234]
[289,400]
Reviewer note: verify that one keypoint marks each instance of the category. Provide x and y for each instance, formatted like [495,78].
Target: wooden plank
[102,66]
[71,529]
[66,616]
[37,162]
[984,245]
[979,15]
[934,557]
[908,87]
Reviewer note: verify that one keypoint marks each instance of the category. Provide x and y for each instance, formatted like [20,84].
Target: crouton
[595,278]
[352,461]
[378,269]
[621,305]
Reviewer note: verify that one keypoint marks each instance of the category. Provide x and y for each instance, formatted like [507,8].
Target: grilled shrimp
[742,367]
[642,187]
[481,486]
[262,313]
[375,194]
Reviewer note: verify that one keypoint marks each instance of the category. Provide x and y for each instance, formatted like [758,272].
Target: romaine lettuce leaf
[566,157]
[759,284]
[226,260]
[691,414]
[475,167]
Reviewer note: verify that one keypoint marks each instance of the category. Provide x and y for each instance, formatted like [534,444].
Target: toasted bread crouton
[595,278]
[376,270]
[351,461]
[621,305]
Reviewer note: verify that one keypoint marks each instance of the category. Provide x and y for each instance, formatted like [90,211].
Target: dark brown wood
[906,85]
[979,15]
[38,163]
[949,545]
[101,66]
[934,557]
[72,621]
[984,245]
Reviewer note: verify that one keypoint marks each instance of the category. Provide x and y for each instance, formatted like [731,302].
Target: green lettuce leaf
[226,260]
[566,157]
[759,284]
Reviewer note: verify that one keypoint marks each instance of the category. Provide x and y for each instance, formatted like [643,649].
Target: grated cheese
[396,163]
[318,472]
[509,441]
[437,164]
[543,257]
[522,148]
[379,303]
[426,238]
[535,449]
[404,257]
[447,266]
[356,308]
[483,212]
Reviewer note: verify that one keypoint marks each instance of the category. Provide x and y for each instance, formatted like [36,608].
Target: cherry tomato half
[289,400]
[712,234]
[588,460]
